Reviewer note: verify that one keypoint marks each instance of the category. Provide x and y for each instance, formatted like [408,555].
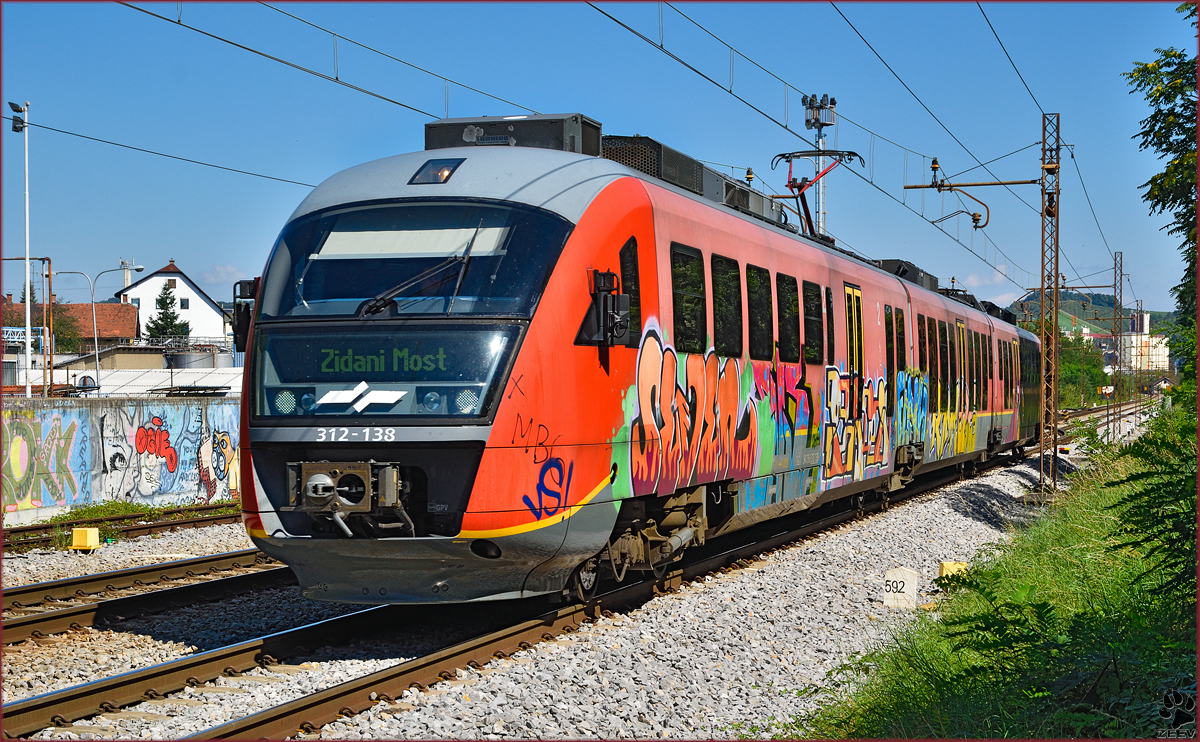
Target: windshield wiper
[381,301]
[466,256]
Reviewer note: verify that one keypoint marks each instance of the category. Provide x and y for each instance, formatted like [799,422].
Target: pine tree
[166,323]
[32,290]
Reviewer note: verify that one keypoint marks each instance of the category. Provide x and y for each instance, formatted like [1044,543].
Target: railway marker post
[900,588]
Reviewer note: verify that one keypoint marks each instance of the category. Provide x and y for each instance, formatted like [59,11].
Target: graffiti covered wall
[64,452]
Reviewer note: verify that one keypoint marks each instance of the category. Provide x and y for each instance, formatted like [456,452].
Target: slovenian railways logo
[346,396]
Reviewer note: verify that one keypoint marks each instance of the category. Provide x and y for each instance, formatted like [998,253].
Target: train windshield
[382,371]
[413,258]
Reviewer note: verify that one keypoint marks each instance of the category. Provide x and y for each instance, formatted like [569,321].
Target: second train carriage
[485,372]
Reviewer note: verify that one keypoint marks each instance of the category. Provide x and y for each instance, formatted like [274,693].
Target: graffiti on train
[553,488]
[912,407]
[149,451]
[693,422]
[953,431]
[45,459]
[856,436]
[789,398]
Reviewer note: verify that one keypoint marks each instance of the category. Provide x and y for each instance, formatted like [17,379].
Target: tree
[32,290]
[166,323]
[1169,85]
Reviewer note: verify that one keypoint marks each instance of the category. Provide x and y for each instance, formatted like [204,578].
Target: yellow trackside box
[85,539]
[949,568]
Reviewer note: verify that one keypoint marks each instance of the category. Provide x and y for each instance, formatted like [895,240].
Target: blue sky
[111,72]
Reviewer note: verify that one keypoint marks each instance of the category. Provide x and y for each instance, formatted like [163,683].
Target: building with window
[207,321]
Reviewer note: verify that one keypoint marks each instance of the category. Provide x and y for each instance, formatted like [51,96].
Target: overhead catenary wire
[734,50]
[1078,172]
[1010,59]
[994,159]
[804,139]
[927,110]
[280,60]
[163,154]
[397,59]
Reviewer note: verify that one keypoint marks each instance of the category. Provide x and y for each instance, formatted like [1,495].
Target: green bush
[1078,626]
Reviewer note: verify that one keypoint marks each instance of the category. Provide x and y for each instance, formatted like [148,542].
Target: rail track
[1118,411]
[527,623]
[41,534]
[44,608]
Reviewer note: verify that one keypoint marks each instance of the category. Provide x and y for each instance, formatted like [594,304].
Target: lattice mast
[1051,284]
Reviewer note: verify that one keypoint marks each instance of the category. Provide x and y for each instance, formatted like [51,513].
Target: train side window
[688,299]
[630,285]
[953,330]
[969,367]
[978,353]
[901,341]
[727,306]
[976,384]
[1006,371]
[1001,364]
[890,353]
[922,356]
[1014,362]
[987,374]
[761,313]
[935,399]
[830,356]
[787,296]
[814,333]
[944,351]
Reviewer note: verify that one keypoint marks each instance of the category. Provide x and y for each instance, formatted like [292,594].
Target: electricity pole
[1051,285]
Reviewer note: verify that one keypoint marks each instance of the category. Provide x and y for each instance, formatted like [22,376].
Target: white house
[203,315]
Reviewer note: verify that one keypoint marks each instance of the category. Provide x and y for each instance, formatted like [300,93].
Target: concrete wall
[65,452]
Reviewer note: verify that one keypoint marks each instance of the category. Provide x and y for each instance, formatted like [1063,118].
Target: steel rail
[41,528]
[309,713]
[71,587]
[107,694]
[62,707]
[139,529]
[49,622]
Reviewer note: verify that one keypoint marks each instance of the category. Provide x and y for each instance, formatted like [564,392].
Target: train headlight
[308,401]
[285,402]
[466,400]
[432,401]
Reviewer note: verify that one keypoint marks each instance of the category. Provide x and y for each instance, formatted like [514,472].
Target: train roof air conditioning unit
[656,159]
[911,273]
[568,132]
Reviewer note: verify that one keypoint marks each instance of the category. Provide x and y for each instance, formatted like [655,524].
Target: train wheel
[586,580]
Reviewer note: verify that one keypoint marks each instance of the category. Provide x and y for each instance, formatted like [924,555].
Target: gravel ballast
[737,648]
[44,565]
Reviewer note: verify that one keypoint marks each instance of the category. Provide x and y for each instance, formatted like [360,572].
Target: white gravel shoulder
[43,565]
[732,649]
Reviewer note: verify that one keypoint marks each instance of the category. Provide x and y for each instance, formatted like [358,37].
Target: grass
[61,537]
[1083,625]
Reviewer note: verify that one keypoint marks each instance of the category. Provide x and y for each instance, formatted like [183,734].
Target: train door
[854,348]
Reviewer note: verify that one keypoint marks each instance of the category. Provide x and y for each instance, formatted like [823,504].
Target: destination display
[435,370]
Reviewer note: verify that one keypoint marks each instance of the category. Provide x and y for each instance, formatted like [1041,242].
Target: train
[533,358]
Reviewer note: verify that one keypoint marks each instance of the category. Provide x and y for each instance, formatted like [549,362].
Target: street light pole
[22,125]
[95,329]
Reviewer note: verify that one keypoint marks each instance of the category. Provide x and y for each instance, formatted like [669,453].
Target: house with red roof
[206,320]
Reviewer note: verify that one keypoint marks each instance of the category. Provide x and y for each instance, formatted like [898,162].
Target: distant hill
[1072,303]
